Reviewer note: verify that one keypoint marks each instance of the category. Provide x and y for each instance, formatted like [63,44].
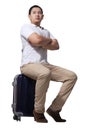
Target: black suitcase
[23,96]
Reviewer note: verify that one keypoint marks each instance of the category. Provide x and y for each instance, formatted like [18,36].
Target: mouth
[37,18]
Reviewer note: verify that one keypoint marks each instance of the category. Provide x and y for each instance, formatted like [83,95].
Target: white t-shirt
[33,54]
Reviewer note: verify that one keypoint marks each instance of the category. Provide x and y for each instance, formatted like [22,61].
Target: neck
[37,24]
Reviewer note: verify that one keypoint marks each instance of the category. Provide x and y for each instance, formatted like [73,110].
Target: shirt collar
[37,26]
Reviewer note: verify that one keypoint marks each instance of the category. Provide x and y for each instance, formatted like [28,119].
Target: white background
[67,20]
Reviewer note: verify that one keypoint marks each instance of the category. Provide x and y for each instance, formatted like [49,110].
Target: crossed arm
[47,43]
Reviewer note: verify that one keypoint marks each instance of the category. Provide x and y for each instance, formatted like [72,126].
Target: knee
[74,76]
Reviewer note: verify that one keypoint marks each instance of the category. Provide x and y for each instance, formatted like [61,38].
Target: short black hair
[37,6]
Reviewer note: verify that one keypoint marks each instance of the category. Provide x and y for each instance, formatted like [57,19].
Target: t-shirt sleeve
[26,31]
[50,35]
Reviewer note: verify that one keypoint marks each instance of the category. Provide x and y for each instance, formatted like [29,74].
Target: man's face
[36,16]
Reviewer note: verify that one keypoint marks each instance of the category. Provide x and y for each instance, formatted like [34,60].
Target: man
[36,41]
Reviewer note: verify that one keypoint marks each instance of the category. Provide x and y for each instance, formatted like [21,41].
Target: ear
[42,16]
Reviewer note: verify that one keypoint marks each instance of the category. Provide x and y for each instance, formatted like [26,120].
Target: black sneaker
[55,115]
[39,117]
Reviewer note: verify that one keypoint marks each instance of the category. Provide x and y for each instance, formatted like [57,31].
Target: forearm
[47,43]
[43,41]
[38,40]
[54,45]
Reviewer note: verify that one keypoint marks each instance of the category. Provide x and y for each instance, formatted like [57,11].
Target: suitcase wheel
[17,118]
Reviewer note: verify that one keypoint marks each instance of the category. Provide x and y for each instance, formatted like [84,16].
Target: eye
[39,12]
[34,12]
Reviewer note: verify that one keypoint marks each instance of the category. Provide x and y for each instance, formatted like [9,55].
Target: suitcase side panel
[29,95]
[23,95]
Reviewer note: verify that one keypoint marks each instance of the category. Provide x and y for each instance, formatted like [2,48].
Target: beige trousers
[43,73]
